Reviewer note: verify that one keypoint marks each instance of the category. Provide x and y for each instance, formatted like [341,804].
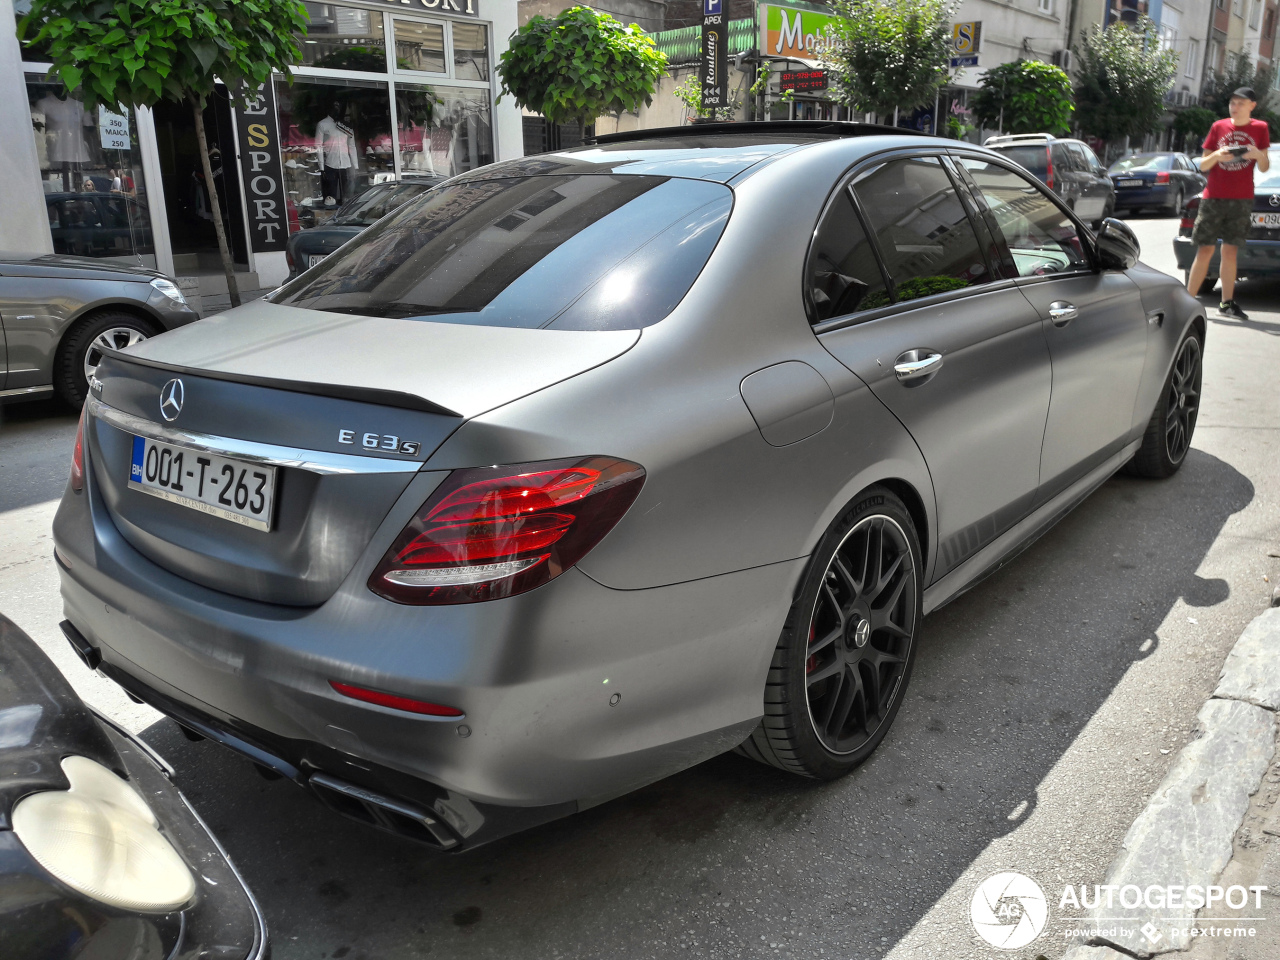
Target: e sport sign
[258,142]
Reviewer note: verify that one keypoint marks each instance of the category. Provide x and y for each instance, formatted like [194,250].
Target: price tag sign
[113,130]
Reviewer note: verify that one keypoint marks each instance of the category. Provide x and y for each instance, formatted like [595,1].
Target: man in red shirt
[1231,149]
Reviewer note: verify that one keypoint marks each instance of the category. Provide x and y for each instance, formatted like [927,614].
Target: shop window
[470,51]
[443,130]
[34,54]
[344,38]
[91,173]
[419,46]
[335,138]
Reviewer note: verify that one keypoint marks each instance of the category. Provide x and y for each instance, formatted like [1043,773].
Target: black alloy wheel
[1183,400]
[1173,422]
[860,634]
[844,659]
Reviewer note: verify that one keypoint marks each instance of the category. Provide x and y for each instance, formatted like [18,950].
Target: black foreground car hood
[42,721]
[57,266]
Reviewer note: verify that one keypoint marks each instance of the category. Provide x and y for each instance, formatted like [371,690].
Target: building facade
[386,88]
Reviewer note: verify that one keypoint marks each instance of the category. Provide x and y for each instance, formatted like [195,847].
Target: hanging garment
[64,125]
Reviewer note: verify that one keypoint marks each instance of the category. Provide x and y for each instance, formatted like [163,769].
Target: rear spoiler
[386,398]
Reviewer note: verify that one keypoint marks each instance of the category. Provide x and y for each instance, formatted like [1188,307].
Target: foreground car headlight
[101,839]
[169,289]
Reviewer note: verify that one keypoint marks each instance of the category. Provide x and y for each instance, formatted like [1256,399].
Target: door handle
[1062,313]
[916,365]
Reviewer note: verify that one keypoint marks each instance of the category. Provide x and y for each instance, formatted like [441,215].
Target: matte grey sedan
[58,313]
[583,468]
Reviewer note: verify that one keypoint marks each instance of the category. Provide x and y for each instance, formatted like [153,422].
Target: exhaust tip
[89,655]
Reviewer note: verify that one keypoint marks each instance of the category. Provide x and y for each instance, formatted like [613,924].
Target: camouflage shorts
[1225,220]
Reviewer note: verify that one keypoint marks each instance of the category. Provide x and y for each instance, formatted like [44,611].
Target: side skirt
[1022,534]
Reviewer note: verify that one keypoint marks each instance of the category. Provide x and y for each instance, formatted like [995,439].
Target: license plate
[234,490]
[1130,183]
[315,258]
[1270,220]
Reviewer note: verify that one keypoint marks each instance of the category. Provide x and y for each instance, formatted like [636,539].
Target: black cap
[1245,92]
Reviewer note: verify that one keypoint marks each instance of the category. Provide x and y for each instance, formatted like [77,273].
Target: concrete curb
[1184,835]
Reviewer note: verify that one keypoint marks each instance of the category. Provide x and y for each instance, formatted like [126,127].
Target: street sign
[713,70]
[964,61]
[966,39]
[803,80]
[712,8]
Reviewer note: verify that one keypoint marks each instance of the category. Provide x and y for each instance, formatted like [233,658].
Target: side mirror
[1118,248]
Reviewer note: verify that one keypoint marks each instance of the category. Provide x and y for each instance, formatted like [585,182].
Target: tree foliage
[580,65]
[1122,79]
[1025,96]
[887,54]
[689,92]
[1240,72]
[1194,122]
[116,53]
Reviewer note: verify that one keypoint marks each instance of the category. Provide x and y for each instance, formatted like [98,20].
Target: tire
[856,620]
[78,353]
[1173,422]
[1107,211]
[1206,288]
[1175,207]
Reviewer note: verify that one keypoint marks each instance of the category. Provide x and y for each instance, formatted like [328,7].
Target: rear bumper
[1257,258]
[1128,198]
[534,674]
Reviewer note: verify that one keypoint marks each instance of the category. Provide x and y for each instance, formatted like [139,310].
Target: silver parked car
[58,313]
[583,468]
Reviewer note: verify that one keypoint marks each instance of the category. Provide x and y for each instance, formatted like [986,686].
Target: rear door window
[924,235]
[1042,239]
[592,251]
[1035,159]
[842,275]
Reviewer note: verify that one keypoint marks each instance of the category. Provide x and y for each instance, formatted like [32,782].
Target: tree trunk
[215,207]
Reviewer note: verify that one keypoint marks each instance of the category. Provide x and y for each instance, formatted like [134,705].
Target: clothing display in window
[336,153]
[65,122]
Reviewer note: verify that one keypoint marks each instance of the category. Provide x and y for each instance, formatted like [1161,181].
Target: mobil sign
[794,30]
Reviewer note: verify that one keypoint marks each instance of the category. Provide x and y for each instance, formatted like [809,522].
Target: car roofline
[829,128]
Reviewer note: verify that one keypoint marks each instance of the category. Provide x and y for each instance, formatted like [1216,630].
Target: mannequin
[65,121]
[336,154]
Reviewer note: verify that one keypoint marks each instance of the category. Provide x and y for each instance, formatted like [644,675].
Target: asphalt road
[1045,706]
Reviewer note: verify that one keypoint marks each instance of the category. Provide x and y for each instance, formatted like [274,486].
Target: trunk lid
[304,388]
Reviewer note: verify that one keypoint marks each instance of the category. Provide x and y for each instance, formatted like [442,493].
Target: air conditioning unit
[1062,58]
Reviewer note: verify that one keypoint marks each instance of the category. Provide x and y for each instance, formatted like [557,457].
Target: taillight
[77,457]
[1162,177]
[1186,223]
[1048,164]
[395,701]
[494,532]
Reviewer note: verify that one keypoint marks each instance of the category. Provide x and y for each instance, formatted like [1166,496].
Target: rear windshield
[1143,161]
[376,202]
[1035,159]
[581,252]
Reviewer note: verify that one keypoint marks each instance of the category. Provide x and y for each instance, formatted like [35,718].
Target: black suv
[1067,167]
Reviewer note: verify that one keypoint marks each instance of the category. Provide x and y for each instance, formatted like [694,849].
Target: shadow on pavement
[32,457]
[1007,677]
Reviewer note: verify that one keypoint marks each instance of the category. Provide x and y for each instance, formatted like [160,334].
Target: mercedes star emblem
[1275,200]
[171,399]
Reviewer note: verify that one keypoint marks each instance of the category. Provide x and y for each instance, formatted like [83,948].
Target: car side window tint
[921,227]
[1042,239]
[843,274]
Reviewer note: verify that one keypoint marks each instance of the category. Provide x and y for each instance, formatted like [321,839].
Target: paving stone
[1184,836]
[1252,670]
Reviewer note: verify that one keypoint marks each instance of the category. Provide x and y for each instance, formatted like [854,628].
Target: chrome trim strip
[25,391]
[316,461]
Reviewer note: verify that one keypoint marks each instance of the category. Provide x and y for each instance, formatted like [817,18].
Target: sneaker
[1229,308]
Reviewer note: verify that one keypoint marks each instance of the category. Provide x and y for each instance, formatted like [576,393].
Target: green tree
[689,92]
[580,65]
[1122,79]
[1025,96]
[1241,72]
[117,53]
[889,55]
[1192,124]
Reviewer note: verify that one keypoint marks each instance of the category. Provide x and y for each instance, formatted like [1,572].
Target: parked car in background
[308,247]
[541,489]
[1260,255]
[100,855]
[1069,168]
[1160,180]
[57,314]
[98,224]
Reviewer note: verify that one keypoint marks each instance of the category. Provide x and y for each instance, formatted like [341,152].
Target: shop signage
[713,70]
[113,130]
[258,139]
[803,80]
[966,42]
[465,8]
[794,31]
